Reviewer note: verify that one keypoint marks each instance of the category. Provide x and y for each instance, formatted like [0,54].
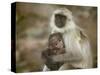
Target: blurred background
[32,31]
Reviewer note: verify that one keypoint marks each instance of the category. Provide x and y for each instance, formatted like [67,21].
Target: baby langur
[56,46]
[77,48]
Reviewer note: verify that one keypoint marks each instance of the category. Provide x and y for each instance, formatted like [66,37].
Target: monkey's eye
[59,39]
[60,20]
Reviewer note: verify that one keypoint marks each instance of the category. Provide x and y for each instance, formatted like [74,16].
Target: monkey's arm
[77,53]
[67,57]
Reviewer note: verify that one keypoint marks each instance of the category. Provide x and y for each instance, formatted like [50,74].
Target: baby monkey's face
[56,43]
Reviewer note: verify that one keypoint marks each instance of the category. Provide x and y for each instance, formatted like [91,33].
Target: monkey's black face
[60,20]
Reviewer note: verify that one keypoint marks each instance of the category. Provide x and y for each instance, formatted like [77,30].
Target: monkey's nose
[60,20]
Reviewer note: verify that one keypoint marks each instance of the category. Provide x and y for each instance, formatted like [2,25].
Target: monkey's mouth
[60,20]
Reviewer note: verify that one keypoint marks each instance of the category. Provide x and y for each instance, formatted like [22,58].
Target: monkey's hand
[47,56]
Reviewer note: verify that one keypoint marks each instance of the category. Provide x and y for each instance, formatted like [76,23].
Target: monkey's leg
[68,67]
[45,68]
[65,67]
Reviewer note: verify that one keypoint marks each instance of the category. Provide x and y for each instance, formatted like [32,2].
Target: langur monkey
[77,48]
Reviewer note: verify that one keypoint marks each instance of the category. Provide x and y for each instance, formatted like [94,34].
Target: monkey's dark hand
[46,55]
